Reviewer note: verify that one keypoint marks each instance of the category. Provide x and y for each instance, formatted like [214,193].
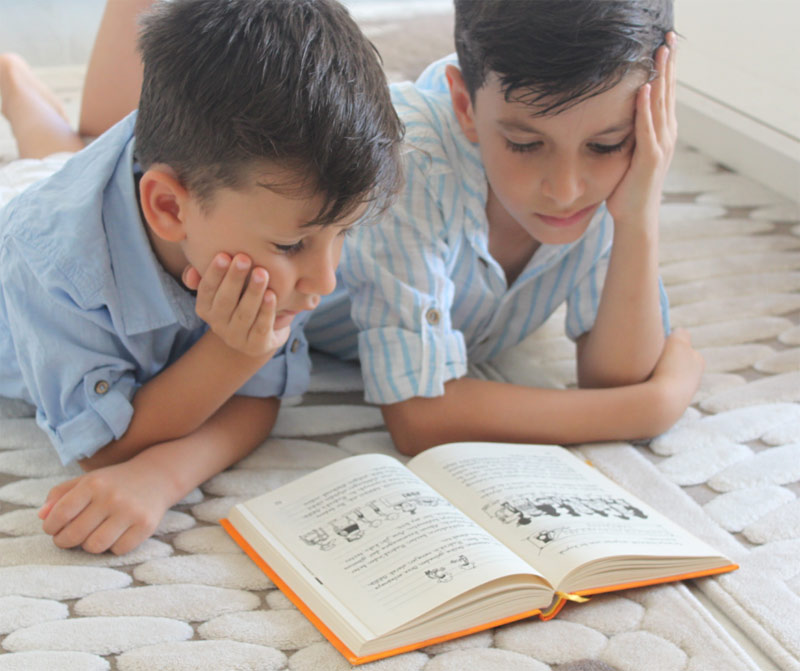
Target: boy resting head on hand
[264,131]
[534,163]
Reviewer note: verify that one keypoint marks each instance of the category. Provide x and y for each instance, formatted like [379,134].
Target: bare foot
[38,119]
[16,79]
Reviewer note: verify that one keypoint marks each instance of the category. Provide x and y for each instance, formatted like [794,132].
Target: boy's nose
[319,276]
[564,183]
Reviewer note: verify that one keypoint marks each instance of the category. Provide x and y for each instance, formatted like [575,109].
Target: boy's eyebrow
[624,125]
[518,124]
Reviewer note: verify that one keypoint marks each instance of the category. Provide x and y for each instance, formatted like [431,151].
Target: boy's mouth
[284,318]
[569,220]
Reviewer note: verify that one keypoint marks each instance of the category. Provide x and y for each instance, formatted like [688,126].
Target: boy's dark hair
[233,86]
[552,54]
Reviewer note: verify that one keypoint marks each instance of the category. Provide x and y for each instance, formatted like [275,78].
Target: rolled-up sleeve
[67,359]
[396,272]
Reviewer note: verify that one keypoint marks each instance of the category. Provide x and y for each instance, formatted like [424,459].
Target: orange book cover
[547,614]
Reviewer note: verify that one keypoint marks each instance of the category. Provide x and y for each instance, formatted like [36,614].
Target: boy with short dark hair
[549,136]
[264,130]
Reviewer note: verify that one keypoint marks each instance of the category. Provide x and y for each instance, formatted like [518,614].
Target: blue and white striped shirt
[423,291]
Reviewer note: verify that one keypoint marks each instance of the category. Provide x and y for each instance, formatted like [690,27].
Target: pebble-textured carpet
[189,599]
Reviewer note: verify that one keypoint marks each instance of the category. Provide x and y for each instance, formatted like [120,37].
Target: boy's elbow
[592,377]
[610,380]
[407,446]
[408,427]
[612,370]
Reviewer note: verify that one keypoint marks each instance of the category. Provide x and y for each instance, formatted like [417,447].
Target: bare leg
[37,118]
[114,74]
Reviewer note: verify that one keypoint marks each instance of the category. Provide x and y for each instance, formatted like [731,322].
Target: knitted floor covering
[190,600]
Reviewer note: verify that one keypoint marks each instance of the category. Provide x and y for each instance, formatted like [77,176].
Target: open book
[384,557]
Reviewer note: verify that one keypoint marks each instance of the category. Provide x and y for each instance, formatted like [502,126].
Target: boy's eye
[515,146]
[607,148]
[290,249]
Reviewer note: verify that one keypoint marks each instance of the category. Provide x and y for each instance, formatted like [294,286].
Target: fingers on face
[645,132]
[660,97]
[666,63]
[211,281]
[191,278]
[264,319]
[226,298]
[672,79]
[231,293]
[252,300]
[662,124]
[660,83]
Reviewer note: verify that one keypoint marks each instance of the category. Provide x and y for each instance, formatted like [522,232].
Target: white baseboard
[742,143]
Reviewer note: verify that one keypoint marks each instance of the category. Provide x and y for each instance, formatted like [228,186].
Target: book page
[380,539]
[550,507]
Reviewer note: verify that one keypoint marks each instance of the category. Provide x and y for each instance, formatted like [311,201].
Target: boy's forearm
[180,398]
[628,334]
[231,434]
[495,411]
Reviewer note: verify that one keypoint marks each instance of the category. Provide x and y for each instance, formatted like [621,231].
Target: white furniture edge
[740,142]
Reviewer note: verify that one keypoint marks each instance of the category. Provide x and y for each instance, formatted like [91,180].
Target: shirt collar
[149,298]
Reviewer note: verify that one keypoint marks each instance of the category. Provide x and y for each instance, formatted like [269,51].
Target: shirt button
[433,317]
[294,346]
[101,387]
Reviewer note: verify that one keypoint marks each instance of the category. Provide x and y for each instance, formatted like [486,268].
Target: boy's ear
[163,199]
[462,103]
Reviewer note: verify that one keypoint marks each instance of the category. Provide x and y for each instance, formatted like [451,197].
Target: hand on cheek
[235,300]
[637,198]
[191,278]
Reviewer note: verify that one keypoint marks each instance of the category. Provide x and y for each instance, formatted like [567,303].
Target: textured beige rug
[190,600]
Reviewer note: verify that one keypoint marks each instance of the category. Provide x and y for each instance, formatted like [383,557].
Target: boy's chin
[544,232]
[565,237]
[544,236]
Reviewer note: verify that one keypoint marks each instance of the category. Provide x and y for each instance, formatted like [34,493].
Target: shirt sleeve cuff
[106,417]
[398,364]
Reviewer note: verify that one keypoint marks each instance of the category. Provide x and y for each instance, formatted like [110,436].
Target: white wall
[50,32]
[739,86]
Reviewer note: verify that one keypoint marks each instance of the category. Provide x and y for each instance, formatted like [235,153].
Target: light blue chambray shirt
[425,295]
[87,313]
